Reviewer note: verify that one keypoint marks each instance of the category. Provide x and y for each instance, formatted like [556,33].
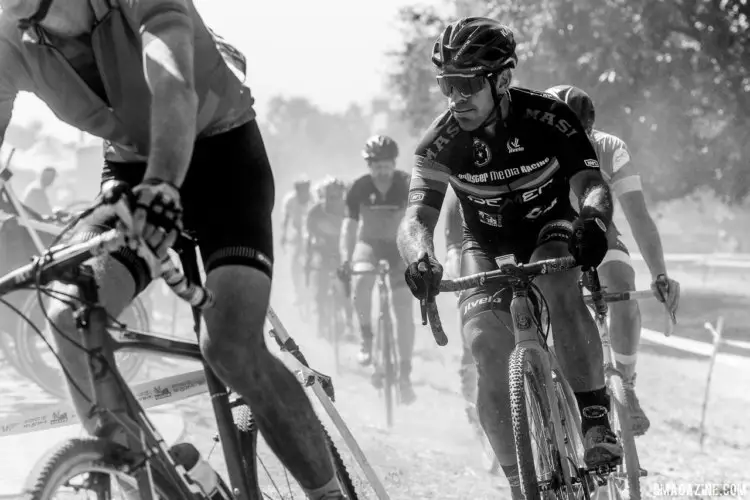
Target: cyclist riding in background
[296,205]
[168,97]
[512,155]
[324,221]
[616,271]
[375,205]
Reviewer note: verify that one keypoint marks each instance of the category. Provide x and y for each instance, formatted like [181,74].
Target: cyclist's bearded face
[470,102]
[382,171]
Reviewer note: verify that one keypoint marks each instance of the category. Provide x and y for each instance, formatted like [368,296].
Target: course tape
[149,394]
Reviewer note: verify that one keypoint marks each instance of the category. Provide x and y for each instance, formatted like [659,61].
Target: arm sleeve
[151,16]
[574,150]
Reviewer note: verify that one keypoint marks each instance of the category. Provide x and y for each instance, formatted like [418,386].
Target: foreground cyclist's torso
[97,84]
[510,177]
[379,213]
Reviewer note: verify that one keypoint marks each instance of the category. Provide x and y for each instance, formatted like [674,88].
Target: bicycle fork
[526,331]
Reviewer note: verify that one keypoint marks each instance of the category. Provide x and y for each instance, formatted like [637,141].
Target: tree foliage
[671,78]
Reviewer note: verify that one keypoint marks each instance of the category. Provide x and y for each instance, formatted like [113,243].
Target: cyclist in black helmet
[375,205]
[512,155]
[616,271]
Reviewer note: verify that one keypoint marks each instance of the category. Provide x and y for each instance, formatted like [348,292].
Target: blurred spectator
[35,196]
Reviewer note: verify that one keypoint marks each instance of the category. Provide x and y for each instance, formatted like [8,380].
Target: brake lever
[423,269]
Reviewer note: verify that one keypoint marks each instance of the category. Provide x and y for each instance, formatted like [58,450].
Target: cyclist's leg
[230,210]
[364,260]
[577,344]
[617,275]
[467,372]
[485,318]
[403,311]
[120,277]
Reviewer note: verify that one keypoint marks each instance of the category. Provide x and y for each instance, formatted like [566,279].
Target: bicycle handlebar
[507,272]
[54,264]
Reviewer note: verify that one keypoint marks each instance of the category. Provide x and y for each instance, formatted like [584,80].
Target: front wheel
[91,465]
[274,482]
[624,483]
[537,453]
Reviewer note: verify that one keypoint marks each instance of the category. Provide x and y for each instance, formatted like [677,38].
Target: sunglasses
[466,85]
[37,17]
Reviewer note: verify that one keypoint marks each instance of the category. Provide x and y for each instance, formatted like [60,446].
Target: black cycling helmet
[475,45]
[380,147]
[579,101]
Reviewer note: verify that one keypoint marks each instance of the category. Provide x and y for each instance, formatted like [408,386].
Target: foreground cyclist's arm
[453,234]
[429,182]
[578,157]
[8,91]
[166,32]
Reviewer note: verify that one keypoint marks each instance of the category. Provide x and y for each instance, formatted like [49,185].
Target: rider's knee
[617,275]
[490,342]
[235,323]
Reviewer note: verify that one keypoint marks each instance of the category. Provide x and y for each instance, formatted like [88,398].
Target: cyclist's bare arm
[167,38]
[626,185]
[348,238]
[7,98]
[429,182]
[592,191]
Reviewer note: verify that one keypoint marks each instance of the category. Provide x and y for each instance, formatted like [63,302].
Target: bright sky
[330,51]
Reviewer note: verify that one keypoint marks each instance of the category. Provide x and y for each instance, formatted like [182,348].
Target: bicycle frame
[527,335]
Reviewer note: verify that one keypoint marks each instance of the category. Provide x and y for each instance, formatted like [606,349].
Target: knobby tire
[248,441]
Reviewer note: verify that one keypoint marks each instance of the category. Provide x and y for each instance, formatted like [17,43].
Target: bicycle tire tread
[61,456]
[521,433]
[627,439]
[247,427]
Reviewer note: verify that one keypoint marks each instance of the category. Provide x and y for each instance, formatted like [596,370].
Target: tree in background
[671,78]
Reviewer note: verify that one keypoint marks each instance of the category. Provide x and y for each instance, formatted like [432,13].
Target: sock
[328,490]
[626,364]
[594,407]
[514,480]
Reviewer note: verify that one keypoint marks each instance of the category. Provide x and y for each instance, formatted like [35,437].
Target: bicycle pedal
[642,472]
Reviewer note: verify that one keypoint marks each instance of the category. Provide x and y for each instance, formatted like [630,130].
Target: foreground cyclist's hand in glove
[668,292]
[157,214]
[588,245]
[419,280]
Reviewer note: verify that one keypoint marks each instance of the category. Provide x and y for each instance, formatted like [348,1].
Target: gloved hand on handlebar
[157,214]
[423,277]
[668,292]
[588,245]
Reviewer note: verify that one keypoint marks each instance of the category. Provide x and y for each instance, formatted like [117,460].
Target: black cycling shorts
[227,198]
[479,256]
[367,254]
